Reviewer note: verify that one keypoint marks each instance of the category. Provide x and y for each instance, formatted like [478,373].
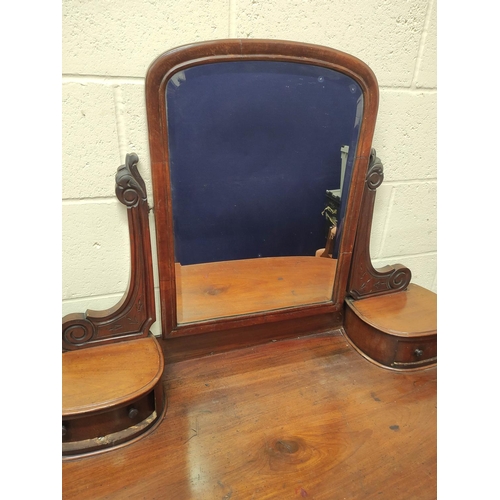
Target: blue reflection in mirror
[257,151]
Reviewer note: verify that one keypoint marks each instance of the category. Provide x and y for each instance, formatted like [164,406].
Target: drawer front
[114,420]
[414,353]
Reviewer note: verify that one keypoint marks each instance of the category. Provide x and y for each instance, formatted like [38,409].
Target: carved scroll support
[364,279]
[135,312]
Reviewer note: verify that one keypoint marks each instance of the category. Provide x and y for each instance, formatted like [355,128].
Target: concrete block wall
[107,48]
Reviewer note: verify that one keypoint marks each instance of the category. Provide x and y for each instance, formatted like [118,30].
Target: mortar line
[102,79]
[409,255]
[423,38]
[410,90]
[85,201]
[97,297]
[131,80]
[100,296]
[404,182]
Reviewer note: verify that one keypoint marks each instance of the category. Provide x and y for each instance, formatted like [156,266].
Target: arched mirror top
[259,150]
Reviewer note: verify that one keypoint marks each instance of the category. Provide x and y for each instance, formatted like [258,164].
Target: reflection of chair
[112,392]
[330,238]
[344,406]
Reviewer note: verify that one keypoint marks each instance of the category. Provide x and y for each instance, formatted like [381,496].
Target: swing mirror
[257,148]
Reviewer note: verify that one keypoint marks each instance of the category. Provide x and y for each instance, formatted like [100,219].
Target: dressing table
[288,366]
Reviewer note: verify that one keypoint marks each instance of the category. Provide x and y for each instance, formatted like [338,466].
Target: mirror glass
[260,160]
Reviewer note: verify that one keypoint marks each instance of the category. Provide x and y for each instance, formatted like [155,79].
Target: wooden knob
[133,412]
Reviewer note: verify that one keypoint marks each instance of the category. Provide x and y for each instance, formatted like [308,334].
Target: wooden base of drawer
[112,395]
[402,344]
[102,431]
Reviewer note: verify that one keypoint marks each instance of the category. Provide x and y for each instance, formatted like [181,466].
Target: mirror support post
[365,280]
[135,312]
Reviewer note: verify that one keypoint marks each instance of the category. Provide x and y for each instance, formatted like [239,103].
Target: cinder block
[132,114]
[95,249]
[89,141]
[96,256]
[405,135]
[122,38]
[385,35]
[411,223]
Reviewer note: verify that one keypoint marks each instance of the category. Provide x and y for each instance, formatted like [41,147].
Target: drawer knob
[64,431]
[418,352]
[133,412]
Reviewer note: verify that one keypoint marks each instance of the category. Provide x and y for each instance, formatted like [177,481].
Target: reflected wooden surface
[233,288]
[303,418]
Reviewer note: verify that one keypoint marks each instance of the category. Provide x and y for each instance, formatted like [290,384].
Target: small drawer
[108,422]
[415,352]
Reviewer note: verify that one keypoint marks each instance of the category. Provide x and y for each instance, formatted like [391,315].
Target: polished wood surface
[303,418]
[236,287]
[112,394]
[109,375]
[406,314]
[397,330]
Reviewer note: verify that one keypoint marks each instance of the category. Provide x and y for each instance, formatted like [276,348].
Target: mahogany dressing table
[291,366]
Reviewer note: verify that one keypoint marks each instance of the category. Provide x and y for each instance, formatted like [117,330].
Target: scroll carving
[130,187]
[135,313]
[365,280]
[78,330]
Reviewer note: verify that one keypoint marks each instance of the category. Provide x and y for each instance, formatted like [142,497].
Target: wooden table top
[303,418]
[99,377]
[232,288]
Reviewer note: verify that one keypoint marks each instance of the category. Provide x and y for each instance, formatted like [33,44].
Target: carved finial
[375,174]
[130,186]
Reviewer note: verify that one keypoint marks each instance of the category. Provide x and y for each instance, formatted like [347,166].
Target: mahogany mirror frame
[321,315]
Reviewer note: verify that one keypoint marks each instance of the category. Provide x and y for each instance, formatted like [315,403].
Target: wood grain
[236,287]
[109,375]
[304,418]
